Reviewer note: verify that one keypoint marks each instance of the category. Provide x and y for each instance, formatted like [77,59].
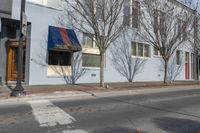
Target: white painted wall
[41,17]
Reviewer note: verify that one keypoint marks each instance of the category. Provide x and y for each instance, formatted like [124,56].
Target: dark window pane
[187,57]
[134,47]
[87,40]
[182,29]
[11,32]
[59,58]
[135,14]
[126,11]
[140,49]
[163,27]
[156,51]
[192,58]
[177,57]
[90,60]
[156,22]
[146,51]
[100,9]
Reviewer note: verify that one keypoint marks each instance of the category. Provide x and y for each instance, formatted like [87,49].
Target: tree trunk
[130,81]
[102,69]
[72,69]
[165,71]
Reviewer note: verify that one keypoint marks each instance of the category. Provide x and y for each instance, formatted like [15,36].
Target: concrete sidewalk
[81,90]
[88,88]
[4,93]
[79,95]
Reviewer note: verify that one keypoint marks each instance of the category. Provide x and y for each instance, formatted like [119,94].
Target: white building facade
[42,66]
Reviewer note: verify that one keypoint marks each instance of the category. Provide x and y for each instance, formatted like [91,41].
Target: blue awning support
[63,39]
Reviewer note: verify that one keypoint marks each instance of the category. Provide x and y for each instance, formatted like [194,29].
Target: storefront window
[59,58]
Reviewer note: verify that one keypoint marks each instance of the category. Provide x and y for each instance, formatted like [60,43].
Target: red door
[187,76]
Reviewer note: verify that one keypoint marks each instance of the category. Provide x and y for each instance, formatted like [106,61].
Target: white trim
[145,58]
[90,51]
[51,72]
[91,68]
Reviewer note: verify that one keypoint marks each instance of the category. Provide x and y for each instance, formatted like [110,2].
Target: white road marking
[74,131]
[47,114]
[68,131]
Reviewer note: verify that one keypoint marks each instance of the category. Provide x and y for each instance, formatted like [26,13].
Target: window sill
[91,68]
[90,51]
[157,56]
[146,58]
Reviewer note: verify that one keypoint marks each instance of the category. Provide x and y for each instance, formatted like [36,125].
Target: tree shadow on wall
[177,125]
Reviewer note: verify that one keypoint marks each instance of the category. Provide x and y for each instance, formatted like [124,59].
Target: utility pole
[19,90]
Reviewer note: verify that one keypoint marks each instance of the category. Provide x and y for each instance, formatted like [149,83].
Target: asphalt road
[162,112]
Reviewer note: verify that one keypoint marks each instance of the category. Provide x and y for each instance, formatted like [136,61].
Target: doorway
[187,67]
[12,60]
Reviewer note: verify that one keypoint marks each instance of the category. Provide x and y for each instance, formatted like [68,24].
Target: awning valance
[63,39]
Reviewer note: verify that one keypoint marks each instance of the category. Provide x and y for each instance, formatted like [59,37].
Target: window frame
[135,6]
[126,9]
[183,32]
[95,67]
[192,58]
[129,8]
[159,18]
[59,68]
[94,46]
[60,55]
[187,57]
[156,55]
[143,50]
[178,60]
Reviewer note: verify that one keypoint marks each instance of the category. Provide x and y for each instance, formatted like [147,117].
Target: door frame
[11,44]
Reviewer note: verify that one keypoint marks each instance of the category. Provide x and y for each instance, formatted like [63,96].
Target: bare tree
[166,25]
[99,18]
[71,73]
[123,61]
[174,68]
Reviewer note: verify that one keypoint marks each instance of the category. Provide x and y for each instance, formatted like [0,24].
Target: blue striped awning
[63,39]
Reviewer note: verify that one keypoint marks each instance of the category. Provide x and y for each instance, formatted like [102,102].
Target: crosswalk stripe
[74,131]
[47,114]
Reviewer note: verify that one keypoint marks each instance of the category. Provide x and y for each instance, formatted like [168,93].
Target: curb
[73,95]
